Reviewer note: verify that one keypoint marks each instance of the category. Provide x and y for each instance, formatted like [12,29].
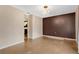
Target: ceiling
[53,9]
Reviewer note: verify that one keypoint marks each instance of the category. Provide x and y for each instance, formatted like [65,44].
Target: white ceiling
[53,9]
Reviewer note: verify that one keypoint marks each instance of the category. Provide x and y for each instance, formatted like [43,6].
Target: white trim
[6,46]
[78,49]
[33,38]
[59,38]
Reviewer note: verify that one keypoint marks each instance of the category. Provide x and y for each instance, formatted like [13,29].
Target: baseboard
[6,46]
[36,37]
[78,48]
[59,38]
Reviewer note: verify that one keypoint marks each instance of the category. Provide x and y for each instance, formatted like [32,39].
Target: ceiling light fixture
[45,8]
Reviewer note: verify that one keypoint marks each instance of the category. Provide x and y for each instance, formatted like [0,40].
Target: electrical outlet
[54,32]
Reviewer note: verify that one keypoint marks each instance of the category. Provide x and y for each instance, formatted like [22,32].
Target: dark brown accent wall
[60,26]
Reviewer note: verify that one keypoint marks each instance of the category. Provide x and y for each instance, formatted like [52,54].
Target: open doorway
[25,27]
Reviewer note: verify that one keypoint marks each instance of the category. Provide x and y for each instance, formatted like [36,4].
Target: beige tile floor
[42,45]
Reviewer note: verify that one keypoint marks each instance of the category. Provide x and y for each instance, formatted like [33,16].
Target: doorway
[25,27]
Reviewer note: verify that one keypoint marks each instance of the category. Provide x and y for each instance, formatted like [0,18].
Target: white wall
[36,27]
[11,26]
[77,27]
[76,23]
[30,27]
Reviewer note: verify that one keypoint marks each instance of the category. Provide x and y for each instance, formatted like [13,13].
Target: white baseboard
[6,46]
[59,38]
[78,48]
[36,37]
